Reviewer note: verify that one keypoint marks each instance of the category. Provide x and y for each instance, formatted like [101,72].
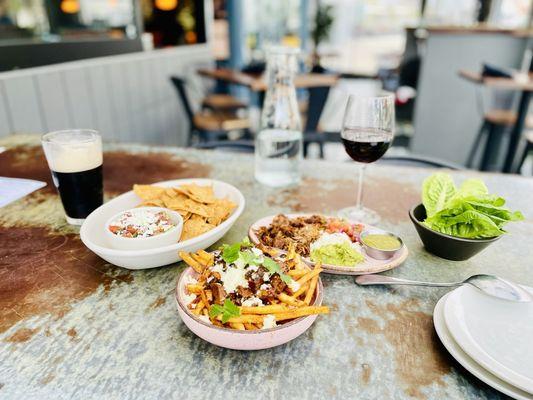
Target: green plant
[322,24]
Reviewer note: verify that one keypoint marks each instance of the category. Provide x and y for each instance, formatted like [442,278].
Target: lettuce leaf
[436,191]
[468,212]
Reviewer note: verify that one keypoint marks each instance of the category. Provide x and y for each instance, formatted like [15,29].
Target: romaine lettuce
[468,212]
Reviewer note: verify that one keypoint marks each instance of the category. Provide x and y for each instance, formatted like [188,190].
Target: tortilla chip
[201,194]
[148,192]
[193,207]
[195,226]
[152,203]
[200,209]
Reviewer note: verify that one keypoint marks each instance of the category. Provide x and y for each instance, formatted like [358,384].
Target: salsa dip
[144,227]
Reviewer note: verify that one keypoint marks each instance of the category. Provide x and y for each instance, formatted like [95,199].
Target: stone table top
[74,326]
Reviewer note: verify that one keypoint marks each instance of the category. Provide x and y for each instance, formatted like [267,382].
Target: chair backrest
[317,101]
[180,85]
[418,162]
[230,146]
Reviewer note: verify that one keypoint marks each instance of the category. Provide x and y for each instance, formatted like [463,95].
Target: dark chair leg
[306,147]
[529,147]
[473,150]
[492,147]
[321,148]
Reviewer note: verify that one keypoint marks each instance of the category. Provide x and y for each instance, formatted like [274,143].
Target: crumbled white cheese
[218,268]
[257,252]
[204,318]
[189,280]
[253,268]
[232,278]
[252,301]
[294,286]
[189,298]
[269,321]
[266,277]
[265,286]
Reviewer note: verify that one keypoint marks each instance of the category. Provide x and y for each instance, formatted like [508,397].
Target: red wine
[366,145]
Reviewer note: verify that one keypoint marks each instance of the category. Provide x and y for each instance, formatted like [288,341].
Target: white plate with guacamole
[339,254]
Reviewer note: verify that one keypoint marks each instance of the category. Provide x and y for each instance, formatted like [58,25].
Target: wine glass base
[360,214]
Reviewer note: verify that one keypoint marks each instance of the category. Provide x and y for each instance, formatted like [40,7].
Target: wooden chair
[223,102]
[493,127]
[207,125]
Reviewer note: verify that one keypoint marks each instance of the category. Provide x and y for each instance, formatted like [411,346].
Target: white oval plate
[496,333]
[369,266]
[92,230]
[467,362]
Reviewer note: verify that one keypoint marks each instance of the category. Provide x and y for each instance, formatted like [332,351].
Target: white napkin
[12,189]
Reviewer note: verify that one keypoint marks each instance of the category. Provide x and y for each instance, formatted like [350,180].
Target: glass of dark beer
[75,159]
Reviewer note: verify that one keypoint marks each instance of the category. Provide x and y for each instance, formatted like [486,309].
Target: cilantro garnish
[274,268]
[230,253]
[228,310]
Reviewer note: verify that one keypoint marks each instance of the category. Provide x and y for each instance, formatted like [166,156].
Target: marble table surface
[72,325]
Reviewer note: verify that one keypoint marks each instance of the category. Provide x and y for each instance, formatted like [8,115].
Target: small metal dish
[376,253]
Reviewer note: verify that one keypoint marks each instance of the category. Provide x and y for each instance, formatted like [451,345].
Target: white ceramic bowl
[141,243]
[242,340]
[92,237]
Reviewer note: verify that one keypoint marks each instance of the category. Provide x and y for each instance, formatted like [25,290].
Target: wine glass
[367,133]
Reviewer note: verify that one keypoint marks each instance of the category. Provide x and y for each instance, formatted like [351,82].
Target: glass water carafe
[279,147]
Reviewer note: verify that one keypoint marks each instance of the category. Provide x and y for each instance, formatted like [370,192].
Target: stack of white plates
[491,338]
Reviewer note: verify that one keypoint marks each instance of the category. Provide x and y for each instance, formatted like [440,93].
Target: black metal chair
[317,100]
[418,161]
[492,131]
[207,125]
[528,149]
[230,146]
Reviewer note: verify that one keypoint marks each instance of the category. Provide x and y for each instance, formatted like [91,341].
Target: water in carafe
[279,146]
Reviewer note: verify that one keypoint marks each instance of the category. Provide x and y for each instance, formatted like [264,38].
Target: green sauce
[382,242]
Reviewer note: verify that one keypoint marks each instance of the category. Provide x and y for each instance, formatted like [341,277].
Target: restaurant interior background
[107,64]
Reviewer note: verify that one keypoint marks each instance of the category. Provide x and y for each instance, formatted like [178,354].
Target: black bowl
[446,246]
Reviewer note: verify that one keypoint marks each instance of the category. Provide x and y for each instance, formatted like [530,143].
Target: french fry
[297,273]
[203,296]
[275,308]
[237,325]
[199,307]
[191,262]
[208,257]
[302,289]
[309,275]
[250,327]
[301,312]
[311,290]
[249,318]
[285,298]
[194,288]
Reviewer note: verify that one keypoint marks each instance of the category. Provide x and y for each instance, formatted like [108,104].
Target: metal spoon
[489,284]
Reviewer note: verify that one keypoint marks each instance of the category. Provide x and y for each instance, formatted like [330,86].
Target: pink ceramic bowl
[242,340]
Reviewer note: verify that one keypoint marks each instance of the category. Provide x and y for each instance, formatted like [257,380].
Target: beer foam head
[73,151]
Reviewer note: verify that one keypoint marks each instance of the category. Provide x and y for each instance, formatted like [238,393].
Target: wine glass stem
[362,168]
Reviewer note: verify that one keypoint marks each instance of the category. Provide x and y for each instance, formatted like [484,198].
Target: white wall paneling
[128,98]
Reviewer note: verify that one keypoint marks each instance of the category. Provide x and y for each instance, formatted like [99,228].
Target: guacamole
[342,254]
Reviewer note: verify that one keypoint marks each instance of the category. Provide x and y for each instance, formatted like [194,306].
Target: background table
[73,326]
[257,83]
[525,88]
